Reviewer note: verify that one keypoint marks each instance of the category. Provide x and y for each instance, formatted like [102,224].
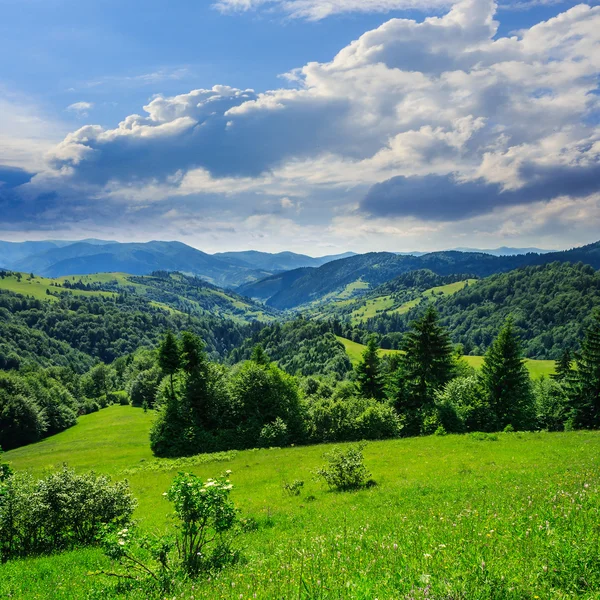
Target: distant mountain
[506,251]
[52,258]
[83,258]
[282,261]
[357,274]
[12,252]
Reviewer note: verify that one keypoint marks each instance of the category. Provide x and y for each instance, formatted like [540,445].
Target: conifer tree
[506,380]
[369,373]
[259,356]
[586,389]
[425,368]
[563,367]
[169,357]
[195,363]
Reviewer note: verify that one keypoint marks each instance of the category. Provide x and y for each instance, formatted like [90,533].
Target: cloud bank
[437,121]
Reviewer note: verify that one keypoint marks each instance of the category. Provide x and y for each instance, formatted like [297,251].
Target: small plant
[481,436]
[345,470]
[207,515]
[509,429]
[202,543]
[294,488]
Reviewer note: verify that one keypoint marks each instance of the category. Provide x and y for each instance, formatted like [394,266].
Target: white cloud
[81,109]
[444,97]
[320,9]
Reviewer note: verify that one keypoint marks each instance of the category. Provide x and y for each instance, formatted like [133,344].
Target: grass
[386,304]
[513,516]
[39,288]
[537,368]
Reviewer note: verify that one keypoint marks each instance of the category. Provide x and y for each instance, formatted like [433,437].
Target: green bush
[551,404]
[345,470]
[62,511]
[121,397]
[274,434]
[89,406]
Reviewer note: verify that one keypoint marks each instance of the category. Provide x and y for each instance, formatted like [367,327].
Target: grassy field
[537,368]
[38,287]
[387,304]
[513,516]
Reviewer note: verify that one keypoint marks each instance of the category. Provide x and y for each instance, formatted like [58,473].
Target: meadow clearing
[506,516]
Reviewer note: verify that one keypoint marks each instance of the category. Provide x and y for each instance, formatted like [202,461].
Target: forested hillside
[551,305]
[60,332]
[355,275]
[300,347]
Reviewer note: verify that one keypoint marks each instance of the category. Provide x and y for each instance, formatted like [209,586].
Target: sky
[317,126]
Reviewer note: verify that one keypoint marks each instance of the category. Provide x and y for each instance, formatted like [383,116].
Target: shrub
[551,404]
[120,397]
[274,434]
[293,488]
[62,511]
[345,470]
[89,406]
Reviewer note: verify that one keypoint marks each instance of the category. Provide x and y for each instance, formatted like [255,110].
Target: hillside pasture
[509,516]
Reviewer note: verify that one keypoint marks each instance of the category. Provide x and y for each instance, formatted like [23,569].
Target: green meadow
[507,516]
[537,368]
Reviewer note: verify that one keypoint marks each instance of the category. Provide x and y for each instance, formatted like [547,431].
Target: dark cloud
[442,198]
[12,177]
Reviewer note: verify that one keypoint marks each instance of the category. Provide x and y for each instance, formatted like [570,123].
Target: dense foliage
[62,511]
[551,306]
[300,347]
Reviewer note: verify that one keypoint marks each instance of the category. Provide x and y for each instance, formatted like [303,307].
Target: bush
[551,404]
[120,397]
[62,511]
[89,406]
[274,434]
[293,488]
[203,543]
[345,470]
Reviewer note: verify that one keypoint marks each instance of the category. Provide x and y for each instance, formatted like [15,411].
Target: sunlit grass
[508,517]
[537,368]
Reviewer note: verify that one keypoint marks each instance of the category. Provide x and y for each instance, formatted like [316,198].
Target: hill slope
[84,258]
[481,518]
[551,305]
[371,270]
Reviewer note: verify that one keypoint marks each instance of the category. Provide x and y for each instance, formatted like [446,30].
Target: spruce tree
[368,372]
[195,363]
[259,356]
[563,367]
[169,357]
[425,368]
[506,381]
[586,389]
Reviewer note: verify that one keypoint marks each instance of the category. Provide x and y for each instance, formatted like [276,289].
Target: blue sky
[423,135]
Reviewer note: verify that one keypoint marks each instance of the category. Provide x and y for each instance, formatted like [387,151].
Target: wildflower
[427,555]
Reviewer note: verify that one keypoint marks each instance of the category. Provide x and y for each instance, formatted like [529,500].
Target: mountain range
[229,269]
[342,279]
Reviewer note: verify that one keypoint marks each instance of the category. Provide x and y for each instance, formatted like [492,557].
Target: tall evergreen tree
[195,363]
[564,367]
[586,389]
[259,356]
[506,380]
[369,373]
[425,368]
[169,357]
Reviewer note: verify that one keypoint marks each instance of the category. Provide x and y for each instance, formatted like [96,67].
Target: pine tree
[195,363]
[563,367]
[425,368]
[586,389]
[259,356]
[369,372]
[506,381]
[169,357]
